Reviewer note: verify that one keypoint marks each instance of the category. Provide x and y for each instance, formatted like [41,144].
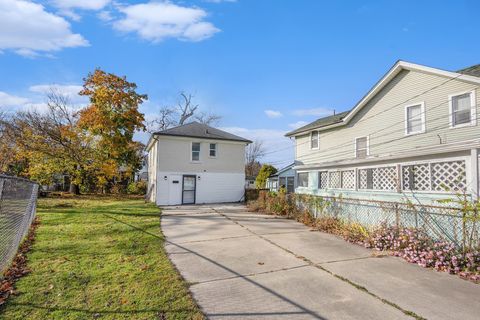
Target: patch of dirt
[18,267]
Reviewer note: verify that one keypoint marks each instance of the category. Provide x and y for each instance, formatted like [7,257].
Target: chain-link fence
[439,222]
[17,210]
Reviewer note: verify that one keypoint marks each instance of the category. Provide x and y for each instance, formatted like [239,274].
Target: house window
[314,140]
[361,147]
[302,179]
[415,118]
[462,109]
[290,184]
[282,181]
[322,179]
[213,150]
[195,151]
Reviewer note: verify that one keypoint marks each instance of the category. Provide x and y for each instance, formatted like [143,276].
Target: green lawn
[100,258]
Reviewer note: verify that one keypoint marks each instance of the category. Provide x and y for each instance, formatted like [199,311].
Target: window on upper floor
[462,109]
[361,147]
[314,140]
[415,118]
[195,151]
[213,150]
[302,179]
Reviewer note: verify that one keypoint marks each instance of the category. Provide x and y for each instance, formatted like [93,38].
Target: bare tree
[208,118]
[184,112]
[186,108]
[253,154]
[164,120]
[51,135]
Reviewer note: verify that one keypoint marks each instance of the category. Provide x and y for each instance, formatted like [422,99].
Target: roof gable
[344,117]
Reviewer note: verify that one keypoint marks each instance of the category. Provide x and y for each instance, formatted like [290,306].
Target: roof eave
[197,137]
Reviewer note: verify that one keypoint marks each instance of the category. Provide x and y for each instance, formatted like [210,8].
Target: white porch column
[474,174]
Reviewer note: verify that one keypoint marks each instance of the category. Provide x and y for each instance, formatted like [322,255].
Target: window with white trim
[213,150]
[314,140]
[195,151]
[302,179]
[462,109]
[361,147]
[415,118]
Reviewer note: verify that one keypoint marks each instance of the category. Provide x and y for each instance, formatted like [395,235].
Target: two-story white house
[195,163]
[414,135]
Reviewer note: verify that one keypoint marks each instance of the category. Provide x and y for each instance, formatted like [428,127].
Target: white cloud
[27,29]
[318,112]
[105,16]
[66,7]
[273,113]
[8,100]
[156,21]
[297,124]
[81,4]
[219,1]
[70,91]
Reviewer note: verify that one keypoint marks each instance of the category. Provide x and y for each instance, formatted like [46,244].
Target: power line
[382,111]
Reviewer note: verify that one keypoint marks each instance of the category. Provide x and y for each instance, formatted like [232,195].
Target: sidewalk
[248,266]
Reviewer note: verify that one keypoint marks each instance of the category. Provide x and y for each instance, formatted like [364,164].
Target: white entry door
[174,190]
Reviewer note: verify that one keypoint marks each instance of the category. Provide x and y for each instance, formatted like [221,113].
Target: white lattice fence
[416,177]
[335,180]
[348,179]
[449,176]
[385,178]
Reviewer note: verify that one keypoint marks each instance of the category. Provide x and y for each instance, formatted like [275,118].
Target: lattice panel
[323,176]
[385,178]
[362,179]
[448,176]
[421,177]
[348,179]
[335,179]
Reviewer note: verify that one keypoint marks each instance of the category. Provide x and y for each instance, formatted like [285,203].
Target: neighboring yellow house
[415,133]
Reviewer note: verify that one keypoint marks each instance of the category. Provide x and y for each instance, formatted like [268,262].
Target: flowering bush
[411,244]
[416,246]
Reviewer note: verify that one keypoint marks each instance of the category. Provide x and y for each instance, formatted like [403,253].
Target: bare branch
[253,154]
[209,119]
[185,108]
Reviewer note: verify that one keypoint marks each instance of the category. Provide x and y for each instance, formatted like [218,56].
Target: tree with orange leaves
[113,117]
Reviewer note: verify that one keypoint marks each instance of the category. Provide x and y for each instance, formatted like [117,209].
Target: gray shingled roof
[322,122]
[471,71]
[199,130]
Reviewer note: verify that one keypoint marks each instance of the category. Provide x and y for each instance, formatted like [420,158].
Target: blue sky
[266,66]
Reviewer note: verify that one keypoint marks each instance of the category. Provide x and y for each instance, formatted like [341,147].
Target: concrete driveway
[244,265]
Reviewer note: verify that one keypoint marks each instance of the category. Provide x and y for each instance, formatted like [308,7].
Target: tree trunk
[74,188]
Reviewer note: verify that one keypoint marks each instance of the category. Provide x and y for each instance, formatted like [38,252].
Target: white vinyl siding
[314,140]
[415,118]
[383,120]
[361,147]
[462,109]
[302,179]
[195,151]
